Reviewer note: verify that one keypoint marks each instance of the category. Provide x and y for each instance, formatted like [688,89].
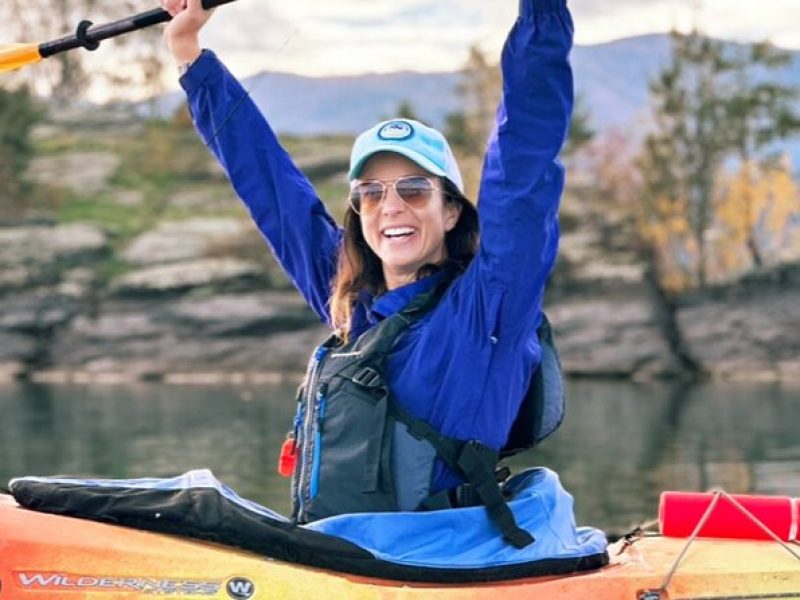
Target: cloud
[356,36]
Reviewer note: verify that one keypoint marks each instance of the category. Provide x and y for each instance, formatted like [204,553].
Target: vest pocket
[375,454]
[351,467]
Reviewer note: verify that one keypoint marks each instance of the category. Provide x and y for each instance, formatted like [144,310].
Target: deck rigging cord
[661,592]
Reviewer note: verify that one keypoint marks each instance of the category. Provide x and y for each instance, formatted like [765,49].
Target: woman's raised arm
[522,179]
[281,200]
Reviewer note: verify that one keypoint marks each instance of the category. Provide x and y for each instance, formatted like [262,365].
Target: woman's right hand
[181,34]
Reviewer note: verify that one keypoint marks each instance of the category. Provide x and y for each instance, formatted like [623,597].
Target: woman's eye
[372,193]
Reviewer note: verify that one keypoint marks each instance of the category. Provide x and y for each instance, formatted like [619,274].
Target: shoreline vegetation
[137,263]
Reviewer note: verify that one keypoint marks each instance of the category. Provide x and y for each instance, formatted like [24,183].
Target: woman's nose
[392,202]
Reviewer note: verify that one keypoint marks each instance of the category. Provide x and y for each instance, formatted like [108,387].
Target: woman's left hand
[181,34]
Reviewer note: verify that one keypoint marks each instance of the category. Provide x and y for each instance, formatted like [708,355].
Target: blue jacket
[466,367]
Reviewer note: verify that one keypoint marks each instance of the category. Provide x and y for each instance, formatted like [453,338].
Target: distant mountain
[612,78]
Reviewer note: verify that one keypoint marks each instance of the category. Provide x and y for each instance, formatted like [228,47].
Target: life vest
[357,450]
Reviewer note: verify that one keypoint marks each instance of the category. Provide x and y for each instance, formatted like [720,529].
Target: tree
[479,89]
[406,110]
[18,114]
[762,111]
[580,129]
[755,207]
[690,141]
[609,187]
[713,102]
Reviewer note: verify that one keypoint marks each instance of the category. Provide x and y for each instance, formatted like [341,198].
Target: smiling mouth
[398,233]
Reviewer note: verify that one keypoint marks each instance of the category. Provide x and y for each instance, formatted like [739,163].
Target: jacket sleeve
[282,202]
[522,179]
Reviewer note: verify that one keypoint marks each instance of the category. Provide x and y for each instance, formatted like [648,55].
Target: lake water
[620,445]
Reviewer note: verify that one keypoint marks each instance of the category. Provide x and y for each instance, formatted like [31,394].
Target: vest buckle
[368,377]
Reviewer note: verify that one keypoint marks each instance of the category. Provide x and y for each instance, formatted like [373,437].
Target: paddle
[87,35]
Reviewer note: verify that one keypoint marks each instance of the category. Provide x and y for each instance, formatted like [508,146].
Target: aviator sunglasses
[367,195]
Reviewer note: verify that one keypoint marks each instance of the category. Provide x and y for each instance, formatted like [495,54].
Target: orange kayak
[44,556]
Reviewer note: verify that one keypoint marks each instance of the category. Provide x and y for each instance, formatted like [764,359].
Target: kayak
[45,556]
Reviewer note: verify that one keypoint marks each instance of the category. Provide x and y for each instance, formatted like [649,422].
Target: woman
[463,362]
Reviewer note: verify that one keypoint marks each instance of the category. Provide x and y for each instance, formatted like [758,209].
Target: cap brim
[410,154]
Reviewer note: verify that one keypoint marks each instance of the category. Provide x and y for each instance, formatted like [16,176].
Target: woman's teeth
[395,232]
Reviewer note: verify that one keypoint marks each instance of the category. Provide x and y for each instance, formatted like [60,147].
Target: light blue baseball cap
[417,142]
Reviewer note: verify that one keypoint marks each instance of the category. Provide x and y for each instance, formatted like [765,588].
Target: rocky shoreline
[178,315]
[180,288]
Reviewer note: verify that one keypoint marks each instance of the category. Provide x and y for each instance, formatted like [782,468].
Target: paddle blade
[14,56]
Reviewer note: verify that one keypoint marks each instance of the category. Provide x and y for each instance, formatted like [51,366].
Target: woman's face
[405,238]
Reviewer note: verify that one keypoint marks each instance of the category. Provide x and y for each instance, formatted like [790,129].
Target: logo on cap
[396,130]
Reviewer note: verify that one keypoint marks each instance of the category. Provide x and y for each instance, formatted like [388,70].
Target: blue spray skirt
[454,545]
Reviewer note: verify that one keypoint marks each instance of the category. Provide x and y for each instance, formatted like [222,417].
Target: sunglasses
[367,195]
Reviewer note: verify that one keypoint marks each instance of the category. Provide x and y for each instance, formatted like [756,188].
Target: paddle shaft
[98,33]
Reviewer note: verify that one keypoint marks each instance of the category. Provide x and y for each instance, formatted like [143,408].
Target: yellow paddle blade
[14,56]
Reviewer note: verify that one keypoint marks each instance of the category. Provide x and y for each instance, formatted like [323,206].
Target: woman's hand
[181,34]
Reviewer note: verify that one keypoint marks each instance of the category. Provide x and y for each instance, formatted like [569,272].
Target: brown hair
[360,268]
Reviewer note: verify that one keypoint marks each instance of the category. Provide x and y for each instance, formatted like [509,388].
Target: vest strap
[477,463]
[375,445]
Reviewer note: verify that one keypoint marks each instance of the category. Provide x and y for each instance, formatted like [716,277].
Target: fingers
[173,7]
[181,34]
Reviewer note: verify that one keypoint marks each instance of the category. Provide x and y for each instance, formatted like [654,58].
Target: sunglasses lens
[366,196]
[415,191]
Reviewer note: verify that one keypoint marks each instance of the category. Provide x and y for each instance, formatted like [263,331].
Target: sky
[341,37]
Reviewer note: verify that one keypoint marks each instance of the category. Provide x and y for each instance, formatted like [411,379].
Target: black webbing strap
[476,462]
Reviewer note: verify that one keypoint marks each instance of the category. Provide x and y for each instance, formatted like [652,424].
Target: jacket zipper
[313,484]
[309,435]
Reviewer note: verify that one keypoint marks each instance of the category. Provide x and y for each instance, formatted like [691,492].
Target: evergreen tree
[479,89]
[580,129]
[406,110]
[18,114]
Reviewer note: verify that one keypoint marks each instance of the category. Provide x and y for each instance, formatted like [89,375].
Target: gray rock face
[15,347]
[252,314]
[36,255]
[610,337]
[35,312]
[270,332]
[179,277]
[39,244]
[81,172]
[182,240]
[752,336]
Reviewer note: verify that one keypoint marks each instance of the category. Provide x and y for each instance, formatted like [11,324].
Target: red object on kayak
[288,457]
[679,513]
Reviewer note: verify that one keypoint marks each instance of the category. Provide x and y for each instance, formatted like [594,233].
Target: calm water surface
[621,444]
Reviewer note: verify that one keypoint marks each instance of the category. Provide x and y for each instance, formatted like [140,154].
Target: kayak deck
[49,556]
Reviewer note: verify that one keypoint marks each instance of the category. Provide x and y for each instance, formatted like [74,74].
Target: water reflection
[619,447]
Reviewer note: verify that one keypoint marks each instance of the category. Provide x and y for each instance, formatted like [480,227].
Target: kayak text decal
[94,583]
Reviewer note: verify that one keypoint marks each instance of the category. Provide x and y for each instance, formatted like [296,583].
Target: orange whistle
[288,457]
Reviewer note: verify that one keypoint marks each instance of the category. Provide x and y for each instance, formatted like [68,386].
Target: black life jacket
[358,450]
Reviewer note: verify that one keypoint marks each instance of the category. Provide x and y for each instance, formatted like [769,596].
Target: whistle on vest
[288,456]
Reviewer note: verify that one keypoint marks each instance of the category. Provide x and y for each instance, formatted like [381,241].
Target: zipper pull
[288,456]
[322,400]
